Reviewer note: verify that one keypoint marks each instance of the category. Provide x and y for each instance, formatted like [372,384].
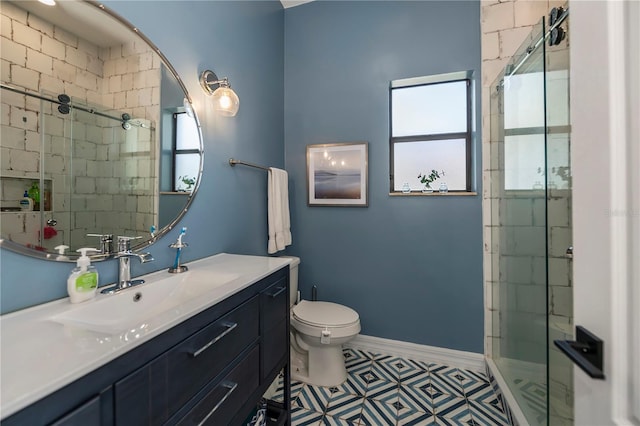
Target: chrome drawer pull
[230,327]
[280,290]
[229,385]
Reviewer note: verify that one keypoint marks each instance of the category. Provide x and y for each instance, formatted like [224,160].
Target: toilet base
[320,366]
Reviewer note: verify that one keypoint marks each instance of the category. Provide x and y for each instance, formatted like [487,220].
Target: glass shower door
[520,353]
[531,228]
[559,230]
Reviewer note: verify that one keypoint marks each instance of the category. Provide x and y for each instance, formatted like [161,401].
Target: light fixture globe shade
[225,101]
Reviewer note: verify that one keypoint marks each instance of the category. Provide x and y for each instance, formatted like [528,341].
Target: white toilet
[318,330]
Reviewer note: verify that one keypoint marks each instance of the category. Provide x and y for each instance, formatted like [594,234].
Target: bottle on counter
[83,280]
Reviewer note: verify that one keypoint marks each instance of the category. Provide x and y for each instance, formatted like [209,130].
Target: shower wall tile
[26,36]
[528,13]
[490,45]
[497,16]
[562,301]
[511,39]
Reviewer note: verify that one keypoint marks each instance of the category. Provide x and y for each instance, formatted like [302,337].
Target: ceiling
[292,3]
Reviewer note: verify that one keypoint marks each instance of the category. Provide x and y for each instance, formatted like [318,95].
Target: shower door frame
[605,105]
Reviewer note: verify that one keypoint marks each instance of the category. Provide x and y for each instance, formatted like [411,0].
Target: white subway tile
[20,118]
[490,45]
[76,57]
[27,36]
[65,37]
[14,12]
[5,157]
[51,84]
[562,301]
[12,137]
[86,80]
[13,52]
[529,12]
[497,16]
[64,71]
[40,24]
[511,39]
[53,48]
[120,66]
[39,62]
[5,70]
[84,185]
[24,161]
[491,69]
[32,141]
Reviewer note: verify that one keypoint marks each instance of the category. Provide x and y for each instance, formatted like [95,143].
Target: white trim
[454,358]
[619,349]
[507,396]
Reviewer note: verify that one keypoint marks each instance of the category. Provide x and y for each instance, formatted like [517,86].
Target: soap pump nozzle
[83,261]
[61,249]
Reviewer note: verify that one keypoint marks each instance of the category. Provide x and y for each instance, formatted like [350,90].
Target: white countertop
[39,355]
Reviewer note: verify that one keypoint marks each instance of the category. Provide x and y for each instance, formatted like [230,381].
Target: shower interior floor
[389,390]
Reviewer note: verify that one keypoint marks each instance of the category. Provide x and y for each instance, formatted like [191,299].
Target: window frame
[467,135]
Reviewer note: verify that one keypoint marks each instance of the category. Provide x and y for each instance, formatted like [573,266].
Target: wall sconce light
[225,100]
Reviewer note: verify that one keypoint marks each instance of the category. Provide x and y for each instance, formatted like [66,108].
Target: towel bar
[233,162]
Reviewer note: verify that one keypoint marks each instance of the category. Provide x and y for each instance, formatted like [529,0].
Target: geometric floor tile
[387,390]
[415,399]
[487,414]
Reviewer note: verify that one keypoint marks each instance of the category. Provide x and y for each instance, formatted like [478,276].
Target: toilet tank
[293,278]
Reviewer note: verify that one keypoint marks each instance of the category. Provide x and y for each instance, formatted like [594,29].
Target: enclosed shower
[531,230]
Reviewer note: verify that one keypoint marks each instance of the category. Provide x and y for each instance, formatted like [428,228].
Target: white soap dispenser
[83,280]
[61,256]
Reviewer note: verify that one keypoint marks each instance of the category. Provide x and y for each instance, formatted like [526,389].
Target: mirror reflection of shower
[93,168]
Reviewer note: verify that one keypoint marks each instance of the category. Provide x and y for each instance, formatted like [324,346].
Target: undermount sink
[132,307]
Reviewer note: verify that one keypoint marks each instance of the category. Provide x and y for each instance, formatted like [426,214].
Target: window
[186,154]
[431,130]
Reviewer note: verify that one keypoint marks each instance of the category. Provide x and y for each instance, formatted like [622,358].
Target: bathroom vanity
[202,351]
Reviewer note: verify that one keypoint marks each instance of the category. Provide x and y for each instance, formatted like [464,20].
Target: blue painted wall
[244,41]
[411,266]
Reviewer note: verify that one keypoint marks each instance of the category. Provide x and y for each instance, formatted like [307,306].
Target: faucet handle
[124,243]
[106,242]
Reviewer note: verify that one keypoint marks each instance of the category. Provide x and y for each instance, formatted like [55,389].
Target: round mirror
[98,135]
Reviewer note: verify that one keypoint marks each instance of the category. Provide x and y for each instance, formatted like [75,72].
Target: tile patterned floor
[385,390]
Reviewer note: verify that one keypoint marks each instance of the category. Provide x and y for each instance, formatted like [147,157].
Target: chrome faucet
[124,256]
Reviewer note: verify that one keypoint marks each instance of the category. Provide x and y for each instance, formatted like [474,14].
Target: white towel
[278,210]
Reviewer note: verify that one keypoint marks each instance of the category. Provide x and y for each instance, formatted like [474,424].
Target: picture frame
[337,174]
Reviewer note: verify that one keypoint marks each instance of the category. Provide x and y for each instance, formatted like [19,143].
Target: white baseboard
[454,358]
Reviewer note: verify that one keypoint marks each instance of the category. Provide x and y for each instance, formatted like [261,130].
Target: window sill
[432,194]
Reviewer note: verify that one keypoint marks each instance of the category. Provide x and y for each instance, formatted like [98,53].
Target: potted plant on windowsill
[189,181]
[428,179]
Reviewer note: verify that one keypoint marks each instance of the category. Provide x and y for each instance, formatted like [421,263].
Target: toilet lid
[325,314]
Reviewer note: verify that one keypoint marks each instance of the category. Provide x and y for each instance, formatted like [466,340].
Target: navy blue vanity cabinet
[212,369]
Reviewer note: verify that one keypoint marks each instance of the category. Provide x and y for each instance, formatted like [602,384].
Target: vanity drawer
[222,403]
[200,358]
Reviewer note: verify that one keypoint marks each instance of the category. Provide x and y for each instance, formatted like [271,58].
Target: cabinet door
[140,398]
[97,411]
[274,327]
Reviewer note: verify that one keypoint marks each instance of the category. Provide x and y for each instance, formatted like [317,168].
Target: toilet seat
[312,318]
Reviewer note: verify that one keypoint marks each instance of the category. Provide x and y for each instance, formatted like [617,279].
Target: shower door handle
[587,351]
